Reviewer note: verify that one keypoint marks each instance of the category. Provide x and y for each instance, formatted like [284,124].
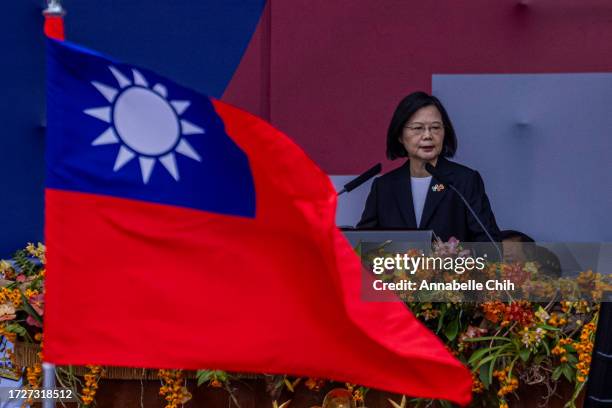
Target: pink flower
[449,248]
[37,302]
[473,331]
[33,322]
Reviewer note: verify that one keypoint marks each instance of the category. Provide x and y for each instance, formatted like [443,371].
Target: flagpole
[48,384]
[53,11]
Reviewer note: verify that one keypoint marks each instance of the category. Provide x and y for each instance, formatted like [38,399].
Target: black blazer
[389,205]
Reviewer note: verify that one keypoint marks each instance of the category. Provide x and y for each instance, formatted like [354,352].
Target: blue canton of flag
[124,131]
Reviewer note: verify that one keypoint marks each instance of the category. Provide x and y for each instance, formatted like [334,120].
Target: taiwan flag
[185,233]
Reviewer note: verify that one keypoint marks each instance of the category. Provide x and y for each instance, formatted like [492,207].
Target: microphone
[356,182]
[434,172]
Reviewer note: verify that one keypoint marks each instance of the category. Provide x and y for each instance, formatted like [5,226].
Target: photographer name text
[470,285]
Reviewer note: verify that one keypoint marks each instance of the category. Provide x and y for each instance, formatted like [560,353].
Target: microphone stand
[434,172]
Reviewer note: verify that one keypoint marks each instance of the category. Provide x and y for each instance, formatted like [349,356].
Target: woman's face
[423,134]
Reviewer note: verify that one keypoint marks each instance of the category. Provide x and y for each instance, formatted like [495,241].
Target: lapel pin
[437,187]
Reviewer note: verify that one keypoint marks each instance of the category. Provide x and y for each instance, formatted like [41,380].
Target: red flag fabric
[135,280]
[54,26]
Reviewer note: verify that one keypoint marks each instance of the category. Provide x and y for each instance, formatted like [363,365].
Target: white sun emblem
[145,122]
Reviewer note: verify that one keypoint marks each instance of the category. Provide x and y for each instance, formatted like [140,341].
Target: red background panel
[330,73]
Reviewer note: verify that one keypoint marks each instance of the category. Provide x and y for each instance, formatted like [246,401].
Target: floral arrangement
[517,344]
[508,346]
[21,307]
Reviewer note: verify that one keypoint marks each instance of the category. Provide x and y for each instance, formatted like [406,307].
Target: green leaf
[568,372]
[571,358]
[474,339]
[545,344]
[16,328]
[492,357]
[222,375]
[538,359]
[203,376]
[23,263]
[556,374]
[441,318]
[484,375]
[549,328]
[478,354]
[37,283]
[452,330]
[492,366]
[524,354]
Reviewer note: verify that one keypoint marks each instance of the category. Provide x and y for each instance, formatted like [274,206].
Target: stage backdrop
[524,81]
[198,43]
[330,73]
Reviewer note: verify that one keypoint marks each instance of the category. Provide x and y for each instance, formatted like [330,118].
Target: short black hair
[509,234]
[404,111]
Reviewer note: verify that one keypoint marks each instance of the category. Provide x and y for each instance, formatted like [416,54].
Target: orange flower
[172,389]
